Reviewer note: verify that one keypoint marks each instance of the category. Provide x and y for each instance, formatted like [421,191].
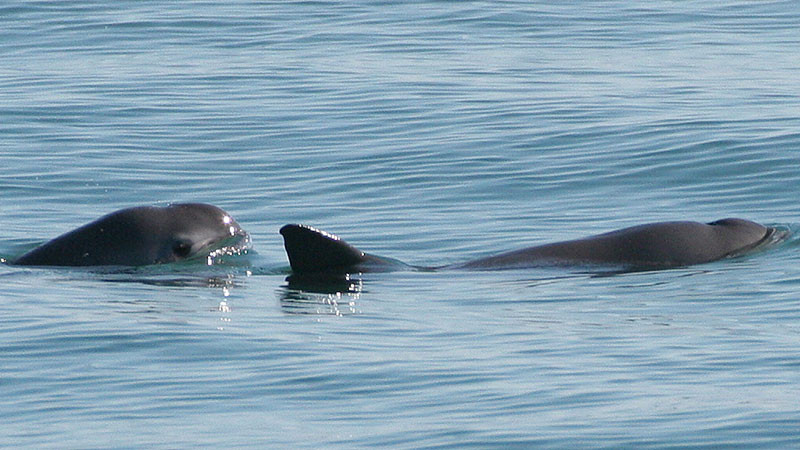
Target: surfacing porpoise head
[194,229]
[142,235]
[740,233]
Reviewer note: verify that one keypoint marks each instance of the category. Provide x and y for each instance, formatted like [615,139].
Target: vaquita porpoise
[649,246]
[140,236]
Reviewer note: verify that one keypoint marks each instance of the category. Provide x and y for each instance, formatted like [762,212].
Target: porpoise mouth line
[238,244]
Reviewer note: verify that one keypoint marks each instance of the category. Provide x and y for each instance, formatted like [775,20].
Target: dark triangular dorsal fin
[313,250]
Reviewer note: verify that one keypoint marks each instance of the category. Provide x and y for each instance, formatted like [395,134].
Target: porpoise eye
[181,249]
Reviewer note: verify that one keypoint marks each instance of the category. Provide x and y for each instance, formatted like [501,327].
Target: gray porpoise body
[140,236]
[656,245]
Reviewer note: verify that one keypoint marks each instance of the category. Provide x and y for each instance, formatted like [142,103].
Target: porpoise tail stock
[651,246]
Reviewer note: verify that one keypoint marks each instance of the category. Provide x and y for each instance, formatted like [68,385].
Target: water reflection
[225,282]
[326,294]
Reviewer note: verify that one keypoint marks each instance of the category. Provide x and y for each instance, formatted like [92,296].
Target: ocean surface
[433,132]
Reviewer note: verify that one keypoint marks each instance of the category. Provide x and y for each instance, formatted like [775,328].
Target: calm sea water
[432,132]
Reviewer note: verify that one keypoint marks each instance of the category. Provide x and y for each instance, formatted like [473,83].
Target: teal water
[433,132]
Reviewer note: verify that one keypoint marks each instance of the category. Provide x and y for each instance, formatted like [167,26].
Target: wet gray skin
[140,236]
[656,245]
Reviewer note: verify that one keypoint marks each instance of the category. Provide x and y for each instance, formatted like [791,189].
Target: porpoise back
[664,244]
[656,245]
